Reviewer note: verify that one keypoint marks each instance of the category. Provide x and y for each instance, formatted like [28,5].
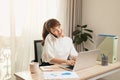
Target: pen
[104,56]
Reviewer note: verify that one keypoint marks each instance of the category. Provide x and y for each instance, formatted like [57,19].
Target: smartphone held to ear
[54,35]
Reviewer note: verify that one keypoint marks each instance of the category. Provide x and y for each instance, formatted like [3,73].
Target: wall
[103,16]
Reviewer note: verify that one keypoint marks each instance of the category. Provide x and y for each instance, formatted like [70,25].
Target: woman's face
[57,31]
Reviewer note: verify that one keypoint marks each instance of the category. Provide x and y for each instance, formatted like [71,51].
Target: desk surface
[91,73]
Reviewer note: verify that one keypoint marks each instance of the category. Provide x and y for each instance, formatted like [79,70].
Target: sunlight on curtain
[27,18]
[4,18]
[21,23]
[5,69]
[33,13]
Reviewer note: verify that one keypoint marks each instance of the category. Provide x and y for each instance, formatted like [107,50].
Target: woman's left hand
[74,58]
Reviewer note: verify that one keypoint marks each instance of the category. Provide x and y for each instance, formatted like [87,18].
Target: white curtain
[21,23]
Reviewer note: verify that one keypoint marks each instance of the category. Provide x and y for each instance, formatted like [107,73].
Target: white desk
[91,73]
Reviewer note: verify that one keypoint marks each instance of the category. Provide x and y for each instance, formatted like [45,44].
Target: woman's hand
[74,58]
[70,62]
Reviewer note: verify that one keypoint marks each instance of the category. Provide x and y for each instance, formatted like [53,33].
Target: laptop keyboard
[70,67]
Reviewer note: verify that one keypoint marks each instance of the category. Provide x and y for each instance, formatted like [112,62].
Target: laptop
[84,60]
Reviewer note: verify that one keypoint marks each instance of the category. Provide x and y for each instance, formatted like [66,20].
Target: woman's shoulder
[50,37]
[68,38]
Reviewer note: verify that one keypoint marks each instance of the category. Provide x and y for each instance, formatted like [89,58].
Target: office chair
[38,48]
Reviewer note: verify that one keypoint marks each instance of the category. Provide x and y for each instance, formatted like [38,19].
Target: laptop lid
[84,60]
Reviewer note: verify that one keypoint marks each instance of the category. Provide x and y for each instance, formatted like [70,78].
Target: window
[21,22]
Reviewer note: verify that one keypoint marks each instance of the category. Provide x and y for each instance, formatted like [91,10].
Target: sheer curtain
[27,21]
[4,38]
[21,22]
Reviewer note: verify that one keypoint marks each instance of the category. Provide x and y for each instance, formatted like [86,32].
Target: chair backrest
[38,48]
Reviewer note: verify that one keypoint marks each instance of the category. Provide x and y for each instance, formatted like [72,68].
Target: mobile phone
[54,35]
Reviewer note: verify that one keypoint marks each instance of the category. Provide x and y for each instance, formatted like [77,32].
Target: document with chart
[60,75]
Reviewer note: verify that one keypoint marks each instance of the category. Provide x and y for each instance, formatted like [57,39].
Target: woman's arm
[61,61]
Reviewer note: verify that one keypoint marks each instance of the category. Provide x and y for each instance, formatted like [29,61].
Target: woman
[57,47]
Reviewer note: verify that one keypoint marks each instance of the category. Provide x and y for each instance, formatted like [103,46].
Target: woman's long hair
[51,23]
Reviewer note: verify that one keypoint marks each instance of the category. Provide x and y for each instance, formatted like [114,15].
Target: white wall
[103,16]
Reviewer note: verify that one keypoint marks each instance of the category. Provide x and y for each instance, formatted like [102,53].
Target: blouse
[58,48]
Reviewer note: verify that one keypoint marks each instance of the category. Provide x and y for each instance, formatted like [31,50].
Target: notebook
[84,60]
